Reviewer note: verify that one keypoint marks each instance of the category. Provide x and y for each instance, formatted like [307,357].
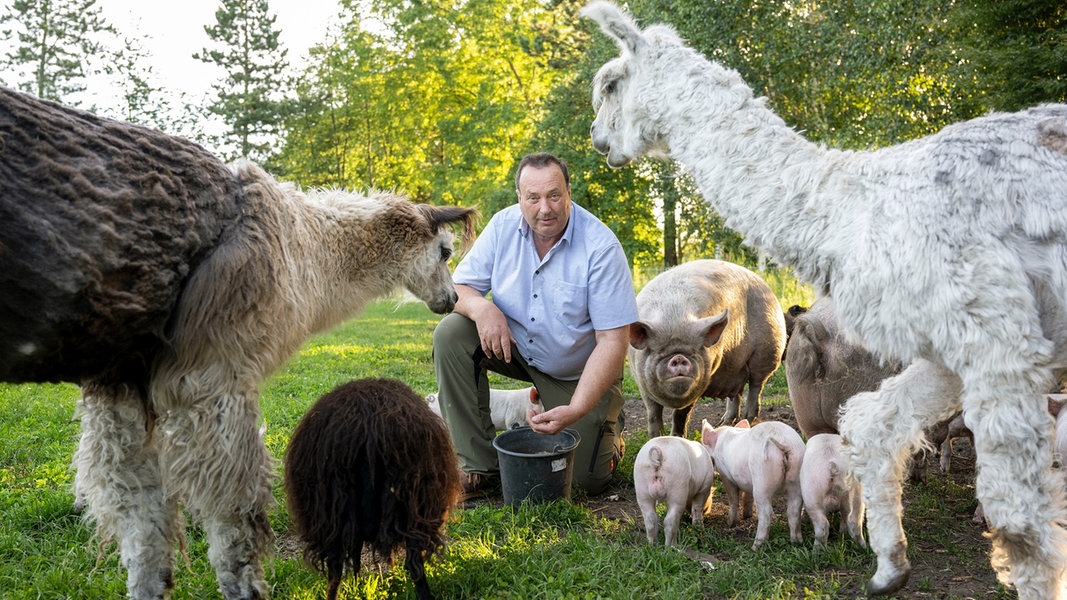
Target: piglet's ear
[707,433]
[713,327]
[743,424]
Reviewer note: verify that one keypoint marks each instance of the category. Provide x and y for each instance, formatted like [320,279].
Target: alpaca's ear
[615,24]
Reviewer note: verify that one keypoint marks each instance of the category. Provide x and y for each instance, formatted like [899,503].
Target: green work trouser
[463,392]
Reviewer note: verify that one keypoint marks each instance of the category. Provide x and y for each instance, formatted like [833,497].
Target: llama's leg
[881,431]
[119,479]
[214,457]
[1022,495]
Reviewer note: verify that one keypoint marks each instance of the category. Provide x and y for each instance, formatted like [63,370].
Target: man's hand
[551,421]
[493,332]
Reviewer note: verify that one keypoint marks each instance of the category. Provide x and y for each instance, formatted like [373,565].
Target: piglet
[507,407]
[758,462]
[677,472]
[827,486]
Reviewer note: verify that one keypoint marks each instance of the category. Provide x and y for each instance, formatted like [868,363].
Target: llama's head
[640,97]
[622,129]
[429,277]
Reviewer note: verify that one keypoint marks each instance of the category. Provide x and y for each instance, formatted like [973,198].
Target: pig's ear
[713,327]
[1056,403]
[639,334]
[707,433]
[743,424]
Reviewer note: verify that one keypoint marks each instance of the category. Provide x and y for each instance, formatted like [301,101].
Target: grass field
[560,550]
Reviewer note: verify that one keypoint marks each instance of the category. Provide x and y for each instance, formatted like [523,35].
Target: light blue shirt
[553,306]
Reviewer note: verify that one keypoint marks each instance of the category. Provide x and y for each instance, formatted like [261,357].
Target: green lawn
[561,550]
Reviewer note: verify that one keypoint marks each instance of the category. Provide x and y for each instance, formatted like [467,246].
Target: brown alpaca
[169,285]
[370,463]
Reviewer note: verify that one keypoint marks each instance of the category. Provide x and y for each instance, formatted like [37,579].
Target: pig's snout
[679,366]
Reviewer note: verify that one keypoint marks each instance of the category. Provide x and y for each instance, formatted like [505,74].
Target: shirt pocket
[570,302]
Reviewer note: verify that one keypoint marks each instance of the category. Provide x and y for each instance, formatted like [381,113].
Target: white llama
[947,252]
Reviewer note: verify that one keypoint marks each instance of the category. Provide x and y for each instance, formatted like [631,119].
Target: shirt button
[535,295]
[530,341]
[532,319]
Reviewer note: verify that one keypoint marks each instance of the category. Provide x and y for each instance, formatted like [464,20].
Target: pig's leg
[820,524]
[648,512]
[672,519]
[752,401]
[852,515]
[680,420]
[733,404]
[654,411]
[699,505]
[733,497]
[794,504]
[881,430]
[764,514]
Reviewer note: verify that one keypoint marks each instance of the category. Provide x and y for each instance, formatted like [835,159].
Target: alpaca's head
[429,277]
[641,96]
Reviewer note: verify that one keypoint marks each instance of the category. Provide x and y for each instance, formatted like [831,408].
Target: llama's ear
[616,24]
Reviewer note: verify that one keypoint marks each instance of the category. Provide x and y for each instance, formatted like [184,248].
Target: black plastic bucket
[534,466]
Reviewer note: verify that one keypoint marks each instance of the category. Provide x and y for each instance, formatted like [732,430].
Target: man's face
[545,200]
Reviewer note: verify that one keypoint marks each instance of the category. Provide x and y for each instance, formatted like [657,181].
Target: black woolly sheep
[370,464]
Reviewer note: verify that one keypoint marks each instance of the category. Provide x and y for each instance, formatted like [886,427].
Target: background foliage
[438,99]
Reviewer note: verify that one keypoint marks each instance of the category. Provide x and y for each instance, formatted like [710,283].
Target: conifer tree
[55,42]
[249,97]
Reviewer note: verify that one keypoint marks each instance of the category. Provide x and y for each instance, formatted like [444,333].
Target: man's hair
[540,160]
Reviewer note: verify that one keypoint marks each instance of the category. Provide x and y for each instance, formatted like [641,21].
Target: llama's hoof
[876,588]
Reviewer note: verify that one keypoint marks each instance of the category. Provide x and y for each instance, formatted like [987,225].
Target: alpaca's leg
[215,459]
[881,431]
[1022,495]
[119,479]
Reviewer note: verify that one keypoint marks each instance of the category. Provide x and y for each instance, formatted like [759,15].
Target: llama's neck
[761,176]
